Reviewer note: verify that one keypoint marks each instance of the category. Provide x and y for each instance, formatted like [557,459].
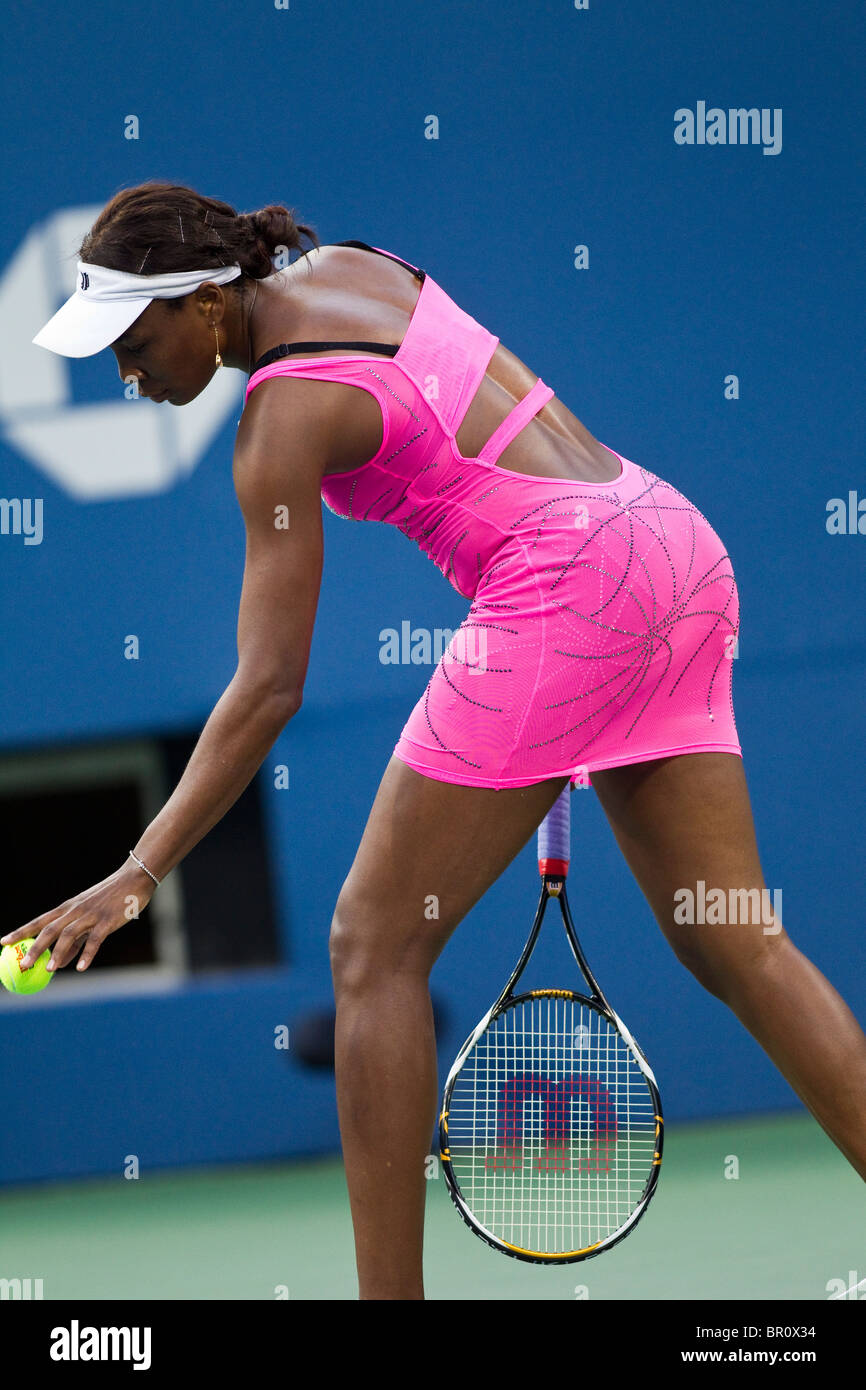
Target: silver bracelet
[146,869]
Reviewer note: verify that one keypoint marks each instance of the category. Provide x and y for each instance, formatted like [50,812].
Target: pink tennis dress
[603,616]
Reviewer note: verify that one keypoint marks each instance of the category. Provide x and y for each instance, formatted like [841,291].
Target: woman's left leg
[429,852]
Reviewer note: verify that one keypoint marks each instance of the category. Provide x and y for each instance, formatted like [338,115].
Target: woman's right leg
[687,818]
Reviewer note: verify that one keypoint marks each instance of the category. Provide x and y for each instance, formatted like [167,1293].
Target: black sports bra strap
[284,349]
[384,349]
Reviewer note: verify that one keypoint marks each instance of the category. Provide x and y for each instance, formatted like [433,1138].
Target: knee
[724,968]
[368,943]
[350,958]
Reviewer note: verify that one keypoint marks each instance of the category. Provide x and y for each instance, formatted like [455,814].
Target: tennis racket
[550,1134]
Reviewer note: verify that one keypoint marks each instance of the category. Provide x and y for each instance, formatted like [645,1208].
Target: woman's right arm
[281,454]
[278,472]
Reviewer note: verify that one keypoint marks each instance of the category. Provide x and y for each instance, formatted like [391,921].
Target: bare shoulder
[338,424]
[287,430]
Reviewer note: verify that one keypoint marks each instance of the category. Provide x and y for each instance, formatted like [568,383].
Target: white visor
[107,301]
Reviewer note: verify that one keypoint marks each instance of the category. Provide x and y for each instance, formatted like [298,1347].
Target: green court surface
[793,1220]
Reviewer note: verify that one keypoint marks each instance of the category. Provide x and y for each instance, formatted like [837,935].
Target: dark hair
[159,226]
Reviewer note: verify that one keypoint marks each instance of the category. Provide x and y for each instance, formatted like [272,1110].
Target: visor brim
[81,328]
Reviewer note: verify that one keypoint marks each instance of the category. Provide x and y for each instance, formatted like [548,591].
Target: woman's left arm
[282,576]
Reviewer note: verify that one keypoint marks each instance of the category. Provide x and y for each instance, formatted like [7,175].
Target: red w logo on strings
[552,1116]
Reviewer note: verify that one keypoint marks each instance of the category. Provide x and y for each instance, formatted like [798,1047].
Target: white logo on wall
[100,450]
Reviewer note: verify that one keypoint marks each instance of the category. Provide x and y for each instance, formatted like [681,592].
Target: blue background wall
[556,129]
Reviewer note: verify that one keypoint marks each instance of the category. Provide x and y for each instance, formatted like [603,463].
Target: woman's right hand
[87,919]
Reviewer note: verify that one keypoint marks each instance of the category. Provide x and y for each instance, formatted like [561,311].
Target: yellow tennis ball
[19,981]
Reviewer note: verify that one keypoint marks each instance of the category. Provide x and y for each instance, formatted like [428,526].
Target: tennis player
[602,622]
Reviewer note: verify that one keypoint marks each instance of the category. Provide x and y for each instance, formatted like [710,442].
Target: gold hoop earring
[219,360]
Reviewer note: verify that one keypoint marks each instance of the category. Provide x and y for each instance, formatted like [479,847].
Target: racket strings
[551,1127]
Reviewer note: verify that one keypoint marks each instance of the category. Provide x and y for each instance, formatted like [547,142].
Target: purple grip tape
[554,833]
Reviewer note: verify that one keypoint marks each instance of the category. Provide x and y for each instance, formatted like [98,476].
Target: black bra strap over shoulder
[364,247]
[383,349]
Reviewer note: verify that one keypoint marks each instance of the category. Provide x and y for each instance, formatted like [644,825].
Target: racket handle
[554,836]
